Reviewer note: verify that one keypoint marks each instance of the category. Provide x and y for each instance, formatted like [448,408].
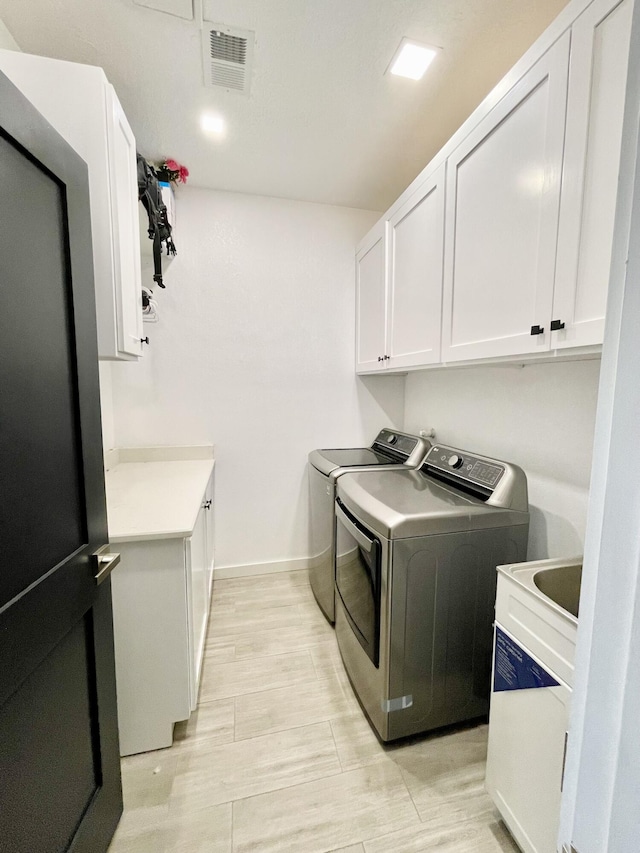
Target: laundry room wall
[106,406]
[7,41]
[254,353]
[540,416]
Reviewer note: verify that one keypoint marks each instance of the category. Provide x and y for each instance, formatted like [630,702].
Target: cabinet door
[371,298]
[503,191]
[123,183]
[525,762]
[195,558]
[597,82]
[416,247]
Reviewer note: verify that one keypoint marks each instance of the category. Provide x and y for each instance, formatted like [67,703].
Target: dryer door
[358,576]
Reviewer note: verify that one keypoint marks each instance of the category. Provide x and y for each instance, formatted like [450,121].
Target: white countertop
[155,499]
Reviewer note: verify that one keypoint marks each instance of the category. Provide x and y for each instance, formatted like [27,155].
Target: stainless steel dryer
[416,583]
[390,450]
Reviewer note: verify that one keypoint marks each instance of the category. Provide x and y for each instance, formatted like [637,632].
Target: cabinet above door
[503,195]
[78,101]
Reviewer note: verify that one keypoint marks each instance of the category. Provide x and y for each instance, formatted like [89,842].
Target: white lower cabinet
[78,101]
[161,594]
[527,741]
[503,197]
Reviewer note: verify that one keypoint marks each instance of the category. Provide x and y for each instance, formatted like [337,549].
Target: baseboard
[268,568]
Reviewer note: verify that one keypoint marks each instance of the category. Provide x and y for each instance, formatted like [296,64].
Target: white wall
[254,353]
[106,406]
[540,417]
[7,41]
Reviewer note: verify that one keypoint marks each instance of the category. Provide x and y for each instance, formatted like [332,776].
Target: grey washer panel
[440,547]
[438,598]
[402,504]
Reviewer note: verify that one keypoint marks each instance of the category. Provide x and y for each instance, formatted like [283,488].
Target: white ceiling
[322,123]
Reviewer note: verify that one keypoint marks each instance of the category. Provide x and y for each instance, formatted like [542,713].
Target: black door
[59,758]
[359,579]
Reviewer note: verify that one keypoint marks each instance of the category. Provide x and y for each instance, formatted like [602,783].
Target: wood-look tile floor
[278,756]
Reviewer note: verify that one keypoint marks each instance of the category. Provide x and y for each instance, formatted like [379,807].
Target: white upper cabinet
[78,101]
[597,82]
[371,301]
[529,199]
[123,178]
[416,245]
[503,195]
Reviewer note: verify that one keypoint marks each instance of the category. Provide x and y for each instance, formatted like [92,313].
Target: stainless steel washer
[390,450]
[416,581]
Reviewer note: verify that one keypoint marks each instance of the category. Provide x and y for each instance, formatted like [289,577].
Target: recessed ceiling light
[412,59]
[211,123]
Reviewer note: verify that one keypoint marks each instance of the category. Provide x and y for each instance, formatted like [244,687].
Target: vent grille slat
[223,75]
[228,48]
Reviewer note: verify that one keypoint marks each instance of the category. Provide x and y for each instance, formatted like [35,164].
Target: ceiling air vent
[228,57]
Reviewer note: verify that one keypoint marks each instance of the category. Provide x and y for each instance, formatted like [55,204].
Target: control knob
[391,439]
[455,461]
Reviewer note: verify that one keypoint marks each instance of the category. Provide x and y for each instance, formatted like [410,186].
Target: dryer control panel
[459,465]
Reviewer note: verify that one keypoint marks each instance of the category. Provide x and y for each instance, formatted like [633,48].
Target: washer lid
[390,447]
[404,503]
[327,461]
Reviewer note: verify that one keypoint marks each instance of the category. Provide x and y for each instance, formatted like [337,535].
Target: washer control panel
[465,466]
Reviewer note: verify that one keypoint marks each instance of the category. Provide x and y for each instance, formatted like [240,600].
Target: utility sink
[538,604]
[562,585]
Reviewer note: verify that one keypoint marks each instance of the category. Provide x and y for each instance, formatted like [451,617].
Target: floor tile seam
[333,735]
[328,775]
[289,655]
[416,822]
[253,692]
[236,633]
[235,699]
[271,655]
[320,680]
[267,734]
[288,729]
[297,653]
[413,802]
[267,626]
[295,726]
[251,608]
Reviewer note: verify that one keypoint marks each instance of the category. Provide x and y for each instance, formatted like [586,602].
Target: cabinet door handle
[206,505]
[380,358]
[556,325]
[387,357]
[144,340]
[537,330]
